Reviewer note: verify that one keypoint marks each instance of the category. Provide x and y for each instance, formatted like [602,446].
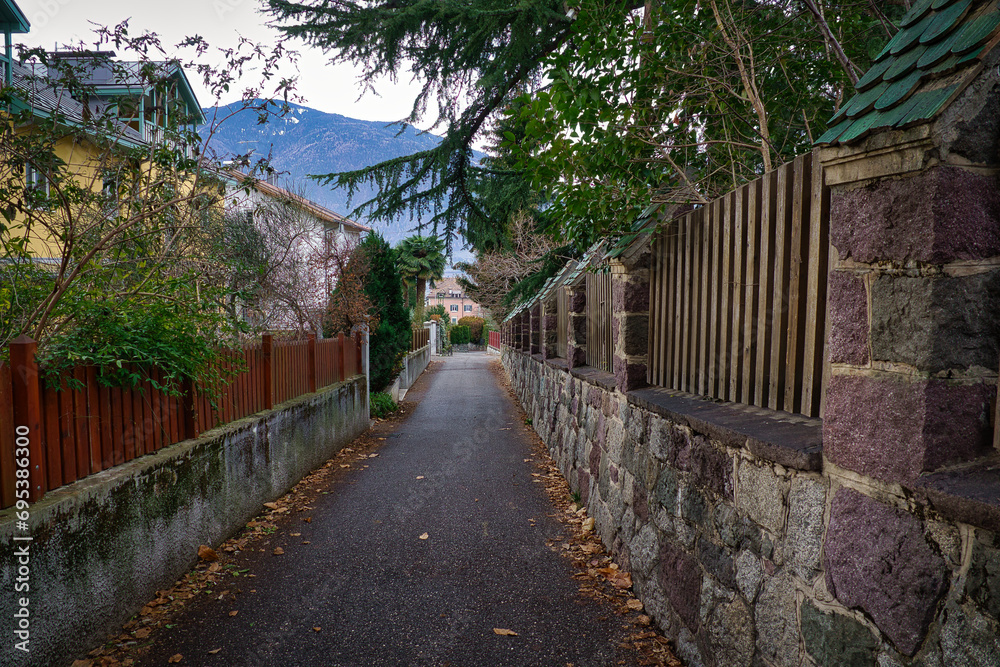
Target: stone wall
[749,548]
[102,546]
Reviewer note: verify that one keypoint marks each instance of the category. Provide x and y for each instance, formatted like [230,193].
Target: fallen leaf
[371,456]
[82,663]
[643,620]
[295,534]
[142,633]
[634,604]
[424,536]
[233,612]
[278,551]
[306,542]
[177,657]
[207,553]
[317,629]
[214,567]
[308,519]
[504,632]
[345,465]
[214,651]
[420,476]
[271,506]
[588,525]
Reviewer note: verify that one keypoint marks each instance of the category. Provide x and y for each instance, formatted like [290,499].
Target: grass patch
[381,404]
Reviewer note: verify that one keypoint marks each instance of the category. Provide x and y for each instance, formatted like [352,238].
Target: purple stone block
[895,430]
[681,579]
[640,503]
[941,215]
[878,560]
[847,302]
[631,296]
[629,376]
[595,460]
[584,480]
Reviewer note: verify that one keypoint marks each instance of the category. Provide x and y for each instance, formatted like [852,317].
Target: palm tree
[421,258]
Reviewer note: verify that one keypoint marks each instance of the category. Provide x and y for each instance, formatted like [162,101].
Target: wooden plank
[117,429]
[801,203]
[27,410]
[779,299]
[714,316]
[156,410]
[81,414]
[705,292]
[107,438]
[267,373]
[94,421]
[654,311]
[67,432]
[694,290]
[138,418]
[739,294]
[752,261]
[53,447]
[666,285]
[819,254]
[727,216]
[765,287]
[677,252]
[128,426]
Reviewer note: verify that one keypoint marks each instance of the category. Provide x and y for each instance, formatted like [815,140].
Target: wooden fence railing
[76,431]
[496,338]
[419,338]
[599,343]
[562,321]
[738,294]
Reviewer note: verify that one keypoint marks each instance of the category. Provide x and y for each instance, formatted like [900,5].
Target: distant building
[457,304]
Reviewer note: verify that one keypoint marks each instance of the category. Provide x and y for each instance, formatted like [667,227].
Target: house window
[35,179]
[467,309]
[454,320]
[454,307]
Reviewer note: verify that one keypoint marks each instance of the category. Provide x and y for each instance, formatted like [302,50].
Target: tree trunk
[421,294]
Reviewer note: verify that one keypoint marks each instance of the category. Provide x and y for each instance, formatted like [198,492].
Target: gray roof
[46,99]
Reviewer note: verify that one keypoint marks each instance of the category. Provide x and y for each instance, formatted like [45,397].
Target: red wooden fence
[74,432]
[495,339]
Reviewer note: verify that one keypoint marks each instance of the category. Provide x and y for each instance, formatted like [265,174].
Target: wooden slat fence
[89,427]
[738,294]
[599,344]
[420,337]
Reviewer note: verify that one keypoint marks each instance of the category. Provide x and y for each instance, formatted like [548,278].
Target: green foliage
[390,339]
[381,404]
[437,309]
[598,110]
[473,58]
[475,325]
[459,334]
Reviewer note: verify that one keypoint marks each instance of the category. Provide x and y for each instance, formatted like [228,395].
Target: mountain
[308,141]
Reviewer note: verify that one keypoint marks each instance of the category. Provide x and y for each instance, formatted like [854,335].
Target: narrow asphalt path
[379,594]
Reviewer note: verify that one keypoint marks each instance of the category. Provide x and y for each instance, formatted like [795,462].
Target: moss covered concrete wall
[101,547]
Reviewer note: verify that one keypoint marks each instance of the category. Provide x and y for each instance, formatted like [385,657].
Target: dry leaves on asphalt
[599,577]
[505,632]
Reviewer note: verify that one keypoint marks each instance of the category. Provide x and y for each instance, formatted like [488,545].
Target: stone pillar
[550,336]
[630,321]
[914,293]
[535,329]
[576,323]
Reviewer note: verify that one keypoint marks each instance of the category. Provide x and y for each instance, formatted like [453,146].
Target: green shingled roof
[931,59]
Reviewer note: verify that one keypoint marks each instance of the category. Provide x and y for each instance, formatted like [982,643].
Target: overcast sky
[220,22]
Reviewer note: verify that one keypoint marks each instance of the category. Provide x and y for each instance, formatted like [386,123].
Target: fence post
[188,408]
[28,410]
[266,345]
[312,363]
[357,356]
[341,376]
